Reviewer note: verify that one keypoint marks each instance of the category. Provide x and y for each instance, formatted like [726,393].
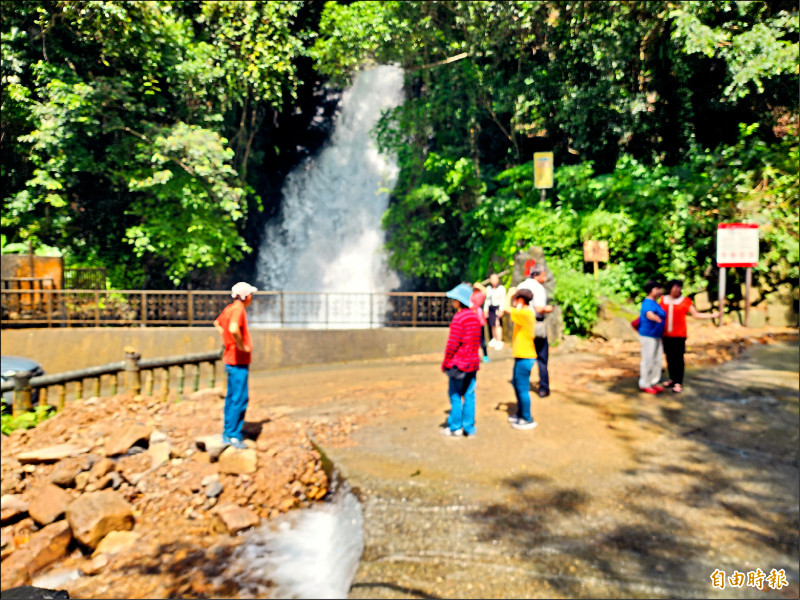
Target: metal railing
[133,367]
[80,308]
[80,278]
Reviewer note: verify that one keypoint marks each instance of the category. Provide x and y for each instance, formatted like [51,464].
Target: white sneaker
[492,343]
[524,424]
[513,419]
[499,345]
[446,431]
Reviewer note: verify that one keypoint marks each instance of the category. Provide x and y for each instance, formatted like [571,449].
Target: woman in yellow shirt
[524,353]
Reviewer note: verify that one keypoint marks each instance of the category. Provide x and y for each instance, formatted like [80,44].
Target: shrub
[26,420]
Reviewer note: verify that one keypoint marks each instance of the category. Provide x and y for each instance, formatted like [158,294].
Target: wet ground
[615,494]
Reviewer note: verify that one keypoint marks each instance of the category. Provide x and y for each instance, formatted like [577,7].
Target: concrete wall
[64,349]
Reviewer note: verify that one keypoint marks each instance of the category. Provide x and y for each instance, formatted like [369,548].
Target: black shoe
[544,393]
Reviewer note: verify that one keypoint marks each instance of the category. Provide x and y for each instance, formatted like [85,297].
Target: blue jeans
[521,380]
[462,416]
[236,400]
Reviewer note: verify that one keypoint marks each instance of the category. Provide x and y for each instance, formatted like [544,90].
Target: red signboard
[737,245]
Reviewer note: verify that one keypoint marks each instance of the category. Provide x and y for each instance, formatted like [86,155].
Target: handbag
[455,373]
[540,329]
[635,323]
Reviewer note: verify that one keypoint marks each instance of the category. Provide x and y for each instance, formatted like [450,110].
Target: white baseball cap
[242,290]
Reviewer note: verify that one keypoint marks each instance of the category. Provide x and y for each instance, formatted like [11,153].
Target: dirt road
[615,494]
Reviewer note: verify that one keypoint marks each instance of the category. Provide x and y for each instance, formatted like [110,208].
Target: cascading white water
[311,553]
[328,237]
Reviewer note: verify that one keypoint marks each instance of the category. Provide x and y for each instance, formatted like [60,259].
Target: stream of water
[311,553]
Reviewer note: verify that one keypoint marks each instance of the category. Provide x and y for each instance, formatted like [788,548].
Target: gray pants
[652,359]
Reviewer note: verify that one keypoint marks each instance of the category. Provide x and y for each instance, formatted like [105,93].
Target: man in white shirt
[534,283]
[493,309]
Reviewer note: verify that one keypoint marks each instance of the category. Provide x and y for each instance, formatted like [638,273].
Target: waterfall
[328,237]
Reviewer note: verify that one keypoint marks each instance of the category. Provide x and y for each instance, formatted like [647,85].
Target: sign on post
[543,170]
[737,246]
[595,252]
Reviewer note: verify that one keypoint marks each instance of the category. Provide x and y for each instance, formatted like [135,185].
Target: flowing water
[328,237]
[312,553]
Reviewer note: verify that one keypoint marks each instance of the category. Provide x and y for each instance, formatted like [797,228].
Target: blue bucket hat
[462,293]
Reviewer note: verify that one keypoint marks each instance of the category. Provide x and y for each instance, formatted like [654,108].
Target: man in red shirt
[461,363]
[232,326]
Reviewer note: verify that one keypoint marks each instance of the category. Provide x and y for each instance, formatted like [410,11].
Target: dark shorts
[493,318]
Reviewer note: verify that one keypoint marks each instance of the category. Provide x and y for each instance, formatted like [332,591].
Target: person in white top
[534,283]
[493,309]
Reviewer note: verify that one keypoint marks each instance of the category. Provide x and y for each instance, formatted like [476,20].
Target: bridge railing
[93,308]
[139,374]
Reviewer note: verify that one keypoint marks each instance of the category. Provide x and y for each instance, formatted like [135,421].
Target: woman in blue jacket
[651,327]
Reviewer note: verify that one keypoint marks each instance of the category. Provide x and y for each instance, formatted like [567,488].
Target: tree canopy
[135,135]
[128,128]
[665,118]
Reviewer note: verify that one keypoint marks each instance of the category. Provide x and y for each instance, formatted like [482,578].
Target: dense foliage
[137,135]
[665,119]
[128,128]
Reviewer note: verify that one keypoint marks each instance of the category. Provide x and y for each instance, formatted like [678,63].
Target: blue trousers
[236,400]
[462,413]
[521,380]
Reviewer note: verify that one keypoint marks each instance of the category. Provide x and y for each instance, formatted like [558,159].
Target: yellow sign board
[543,170]
[595,251]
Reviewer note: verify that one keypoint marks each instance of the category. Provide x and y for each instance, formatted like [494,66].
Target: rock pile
[120,479]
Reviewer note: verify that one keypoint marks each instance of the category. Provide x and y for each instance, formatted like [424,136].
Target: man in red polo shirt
[232,326]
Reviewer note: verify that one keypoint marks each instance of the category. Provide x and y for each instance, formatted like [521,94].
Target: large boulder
[44,548]
[231,518]
[129,436]
[614,322]
[237,462]
[95,514]
[65,472]
[51,453]
[12,506]
[159,454]
[116,542]
[212,444]
[49,504]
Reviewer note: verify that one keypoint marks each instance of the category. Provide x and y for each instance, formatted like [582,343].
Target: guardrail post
[96,308]
[96,388]
[196,385]
[144,310]
[43,396]
[22,392]
[281,317]
[414,310]
[190,307]
[132,375]
[165,384]
[62,397]
[49,310]
[181,379]
[151,378]
[113,384]
[79,389]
